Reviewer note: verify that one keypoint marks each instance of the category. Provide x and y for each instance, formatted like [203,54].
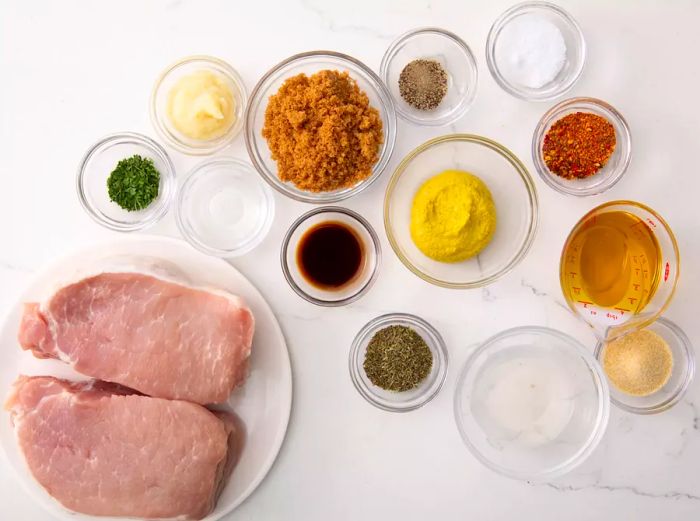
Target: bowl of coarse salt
[535,51]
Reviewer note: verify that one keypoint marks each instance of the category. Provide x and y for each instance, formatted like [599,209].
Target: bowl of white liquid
[223,207]
[532,403]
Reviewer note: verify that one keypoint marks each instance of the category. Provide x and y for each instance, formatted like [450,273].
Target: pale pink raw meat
[101,451]
[160,338]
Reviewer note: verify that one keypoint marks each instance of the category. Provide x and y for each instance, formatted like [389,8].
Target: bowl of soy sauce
[330,256]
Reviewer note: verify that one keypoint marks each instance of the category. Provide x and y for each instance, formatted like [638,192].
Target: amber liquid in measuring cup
[612,262]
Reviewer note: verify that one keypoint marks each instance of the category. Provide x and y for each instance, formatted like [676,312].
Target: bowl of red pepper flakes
[582,147]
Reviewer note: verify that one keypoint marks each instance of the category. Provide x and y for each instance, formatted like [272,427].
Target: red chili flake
[578,145]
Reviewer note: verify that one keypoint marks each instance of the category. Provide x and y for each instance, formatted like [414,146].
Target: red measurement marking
[573,274]
[622,311]
[594,312]
[577,291]
[634,259]
[667,271]
[585,304]
[632,300]
[612,316]
[652,223]
[636,271]
[636,287]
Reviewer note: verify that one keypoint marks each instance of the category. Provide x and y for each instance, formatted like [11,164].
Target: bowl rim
[669,230]
[553,114]
[355,365]
[601,386]
[185,184]
[389,126]
[492,38]
[168,177]
[362,289]
[520,169]
[466,101]
[689,357]
[210,146]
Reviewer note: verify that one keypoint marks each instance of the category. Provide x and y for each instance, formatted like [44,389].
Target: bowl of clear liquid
[223,208]
[532,403]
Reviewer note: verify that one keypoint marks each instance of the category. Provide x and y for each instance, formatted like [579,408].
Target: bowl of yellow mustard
[460,211]
[197,105]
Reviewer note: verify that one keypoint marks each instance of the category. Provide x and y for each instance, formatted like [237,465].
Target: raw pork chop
[157,337]
[101,451]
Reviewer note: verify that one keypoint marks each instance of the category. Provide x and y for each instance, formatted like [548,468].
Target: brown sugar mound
[322,131]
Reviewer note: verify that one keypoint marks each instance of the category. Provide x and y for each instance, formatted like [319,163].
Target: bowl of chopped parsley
[126,182]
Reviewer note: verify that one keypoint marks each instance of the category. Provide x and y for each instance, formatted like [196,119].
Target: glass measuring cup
[645,280]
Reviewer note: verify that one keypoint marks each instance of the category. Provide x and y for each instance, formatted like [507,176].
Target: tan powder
[639,363]
[322,131]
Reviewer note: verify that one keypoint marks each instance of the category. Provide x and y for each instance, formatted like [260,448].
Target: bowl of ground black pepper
[398,362]
[320,127]
[126,182]
[582,147]
[432,76]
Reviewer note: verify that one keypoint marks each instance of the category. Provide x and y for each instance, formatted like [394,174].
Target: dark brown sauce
[330,255]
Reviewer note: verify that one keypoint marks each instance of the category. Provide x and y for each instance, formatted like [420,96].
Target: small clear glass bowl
[367,273]
[407,400]
[223,208]
[513,194]
[99,162]
[611,172]
[575,51]
[310,63]
[677,385]
[456,58]
[159,100]
[532,403]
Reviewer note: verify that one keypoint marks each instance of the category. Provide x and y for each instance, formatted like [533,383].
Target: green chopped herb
[397,359]
[133,184]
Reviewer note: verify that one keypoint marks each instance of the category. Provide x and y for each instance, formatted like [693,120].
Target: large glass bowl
[532,403]
[513,193]
[310,63]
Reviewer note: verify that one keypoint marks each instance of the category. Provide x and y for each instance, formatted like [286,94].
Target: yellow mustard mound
[453,216]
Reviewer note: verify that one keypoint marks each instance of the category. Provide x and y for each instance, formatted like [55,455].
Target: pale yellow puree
[453,216]
[201,105]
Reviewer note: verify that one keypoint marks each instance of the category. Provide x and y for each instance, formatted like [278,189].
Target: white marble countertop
[73,71]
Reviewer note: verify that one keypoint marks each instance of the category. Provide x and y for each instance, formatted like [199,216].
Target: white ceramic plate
[263,403]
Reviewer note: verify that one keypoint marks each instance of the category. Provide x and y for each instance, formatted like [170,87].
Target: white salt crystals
[530,51]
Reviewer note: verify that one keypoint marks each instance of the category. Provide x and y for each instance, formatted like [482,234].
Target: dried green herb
[397,359]
[133,184]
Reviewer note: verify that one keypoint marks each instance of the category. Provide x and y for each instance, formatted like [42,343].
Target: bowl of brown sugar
[320,127]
